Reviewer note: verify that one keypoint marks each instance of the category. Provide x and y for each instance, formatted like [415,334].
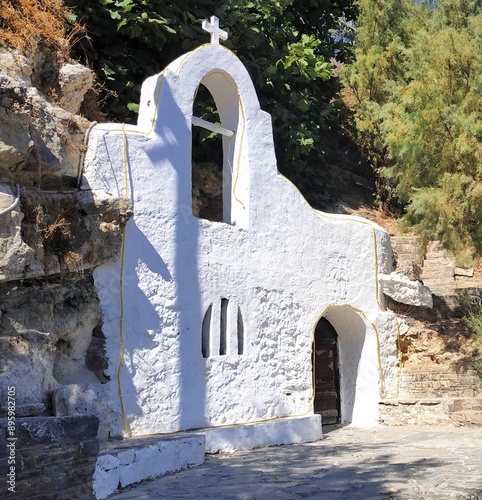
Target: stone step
[405,240]
[439,372]
[439,391]
[437,267]
[467,284]
[443,271]
[441,275]
[407,251]
[124,462]
[452,404]
[436,383]
[439,288]
[431,375]
[437,254]
[328,413]
[405,257]
[440,279]
[436,368]
[439,283]
[405,262]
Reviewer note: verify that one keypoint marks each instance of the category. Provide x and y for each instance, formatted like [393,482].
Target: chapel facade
[248,329]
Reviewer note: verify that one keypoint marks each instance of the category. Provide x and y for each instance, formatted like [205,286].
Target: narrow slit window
[222,330]
[223,327]
[206,332]
[240,332]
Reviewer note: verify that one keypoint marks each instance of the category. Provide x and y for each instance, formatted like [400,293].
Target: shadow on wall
[149,264]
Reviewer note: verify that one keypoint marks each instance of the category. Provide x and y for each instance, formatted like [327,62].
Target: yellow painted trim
[121,293]
[223,426]
[121,338]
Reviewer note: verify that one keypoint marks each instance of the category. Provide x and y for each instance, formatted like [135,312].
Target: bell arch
[235,174]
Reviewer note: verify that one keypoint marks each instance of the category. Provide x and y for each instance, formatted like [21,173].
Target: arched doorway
[327,377]
[346,364]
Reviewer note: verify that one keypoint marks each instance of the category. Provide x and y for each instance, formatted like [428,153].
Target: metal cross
[212,26]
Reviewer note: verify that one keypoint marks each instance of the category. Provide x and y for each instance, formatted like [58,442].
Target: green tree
[383,33]
[286,46]
[418,82]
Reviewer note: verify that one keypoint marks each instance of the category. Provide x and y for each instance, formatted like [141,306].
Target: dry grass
[59,226]
[379,216]
[23,23]
[72,262]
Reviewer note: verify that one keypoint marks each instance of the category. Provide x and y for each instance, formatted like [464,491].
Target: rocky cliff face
[52,236]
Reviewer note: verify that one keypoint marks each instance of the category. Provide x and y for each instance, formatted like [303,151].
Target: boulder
[41,144]
[402,289]
[15,141]
[15,254]
[74,80]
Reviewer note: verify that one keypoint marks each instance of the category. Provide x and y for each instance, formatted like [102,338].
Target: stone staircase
[408,255]
[442,276]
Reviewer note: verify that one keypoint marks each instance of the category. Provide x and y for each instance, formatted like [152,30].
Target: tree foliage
[286,46]
[417,82]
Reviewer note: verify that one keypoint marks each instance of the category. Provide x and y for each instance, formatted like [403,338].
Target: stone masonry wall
[54,458]
[435,395]
[437,384]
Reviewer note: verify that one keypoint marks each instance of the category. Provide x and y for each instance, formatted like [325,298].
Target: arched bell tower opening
[218,111]
[346,368]
[207,161]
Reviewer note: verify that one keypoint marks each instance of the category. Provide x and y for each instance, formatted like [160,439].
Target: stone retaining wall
[435,396]
[420,382]
[436,384]
[54,457]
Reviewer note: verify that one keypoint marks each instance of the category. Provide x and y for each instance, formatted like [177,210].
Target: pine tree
[421,113]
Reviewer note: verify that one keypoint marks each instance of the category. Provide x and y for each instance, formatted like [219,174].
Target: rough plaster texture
[274,262]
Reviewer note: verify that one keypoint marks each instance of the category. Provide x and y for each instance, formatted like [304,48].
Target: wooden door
[327,381]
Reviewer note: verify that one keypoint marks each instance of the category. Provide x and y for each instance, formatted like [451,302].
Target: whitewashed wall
[282,263]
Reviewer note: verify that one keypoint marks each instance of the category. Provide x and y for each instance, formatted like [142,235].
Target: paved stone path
[381,463]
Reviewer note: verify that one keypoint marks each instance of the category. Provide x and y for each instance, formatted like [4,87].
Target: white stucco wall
[282,263]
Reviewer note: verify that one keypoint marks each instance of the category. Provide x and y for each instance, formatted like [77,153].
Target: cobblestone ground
[381,463]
